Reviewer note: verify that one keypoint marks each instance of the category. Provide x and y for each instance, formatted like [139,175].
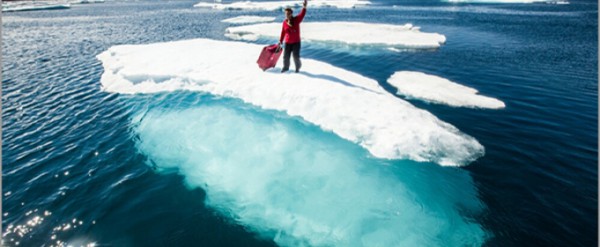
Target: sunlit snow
[352,106]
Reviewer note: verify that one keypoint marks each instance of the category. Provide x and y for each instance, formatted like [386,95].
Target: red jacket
[292,34]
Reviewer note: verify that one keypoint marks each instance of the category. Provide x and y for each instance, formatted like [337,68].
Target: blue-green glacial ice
[289,181]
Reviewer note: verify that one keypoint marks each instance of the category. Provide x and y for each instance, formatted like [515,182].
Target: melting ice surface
[299,186]
[436,89]
[353,33]
[279,5]
[245,19]
[352,106]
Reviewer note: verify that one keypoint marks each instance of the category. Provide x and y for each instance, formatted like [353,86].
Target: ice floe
[85,1]
[436,89]
[245,19]
[279,5]
[298,186]
[354,107]
[352,33]
[33,5]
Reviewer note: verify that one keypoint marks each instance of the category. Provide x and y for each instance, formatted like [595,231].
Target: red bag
[269,56]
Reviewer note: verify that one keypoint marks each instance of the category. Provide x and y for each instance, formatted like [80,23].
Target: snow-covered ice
[352,106]
[279,5]
[246,19]
[436,89]
[352,33]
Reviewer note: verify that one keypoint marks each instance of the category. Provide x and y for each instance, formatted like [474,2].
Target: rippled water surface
[78,169]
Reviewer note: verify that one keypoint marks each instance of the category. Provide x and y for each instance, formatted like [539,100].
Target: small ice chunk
[246,19]
[436,89]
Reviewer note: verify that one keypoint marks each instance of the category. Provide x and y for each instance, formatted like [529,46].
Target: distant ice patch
[85,1]
[245,19]
[354,107]
[352,33]
[279,5]
[299,186]
[33,5]
[440,90]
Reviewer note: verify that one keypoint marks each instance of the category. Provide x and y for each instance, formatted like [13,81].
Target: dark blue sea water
[73,173]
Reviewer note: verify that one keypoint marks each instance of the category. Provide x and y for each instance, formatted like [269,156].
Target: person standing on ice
[290,33]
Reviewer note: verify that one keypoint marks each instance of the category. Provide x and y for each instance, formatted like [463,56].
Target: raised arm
[300,16]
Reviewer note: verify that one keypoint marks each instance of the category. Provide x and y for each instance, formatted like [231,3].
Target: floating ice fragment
[85,1]
[436,89]
[245,19]
[33,5]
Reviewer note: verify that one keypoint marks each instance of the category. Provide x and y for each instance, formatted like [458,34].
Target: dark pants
[291,49]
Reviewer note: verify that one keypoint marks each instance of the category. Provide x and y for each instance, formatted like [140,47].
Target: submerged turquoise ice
[289,181]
